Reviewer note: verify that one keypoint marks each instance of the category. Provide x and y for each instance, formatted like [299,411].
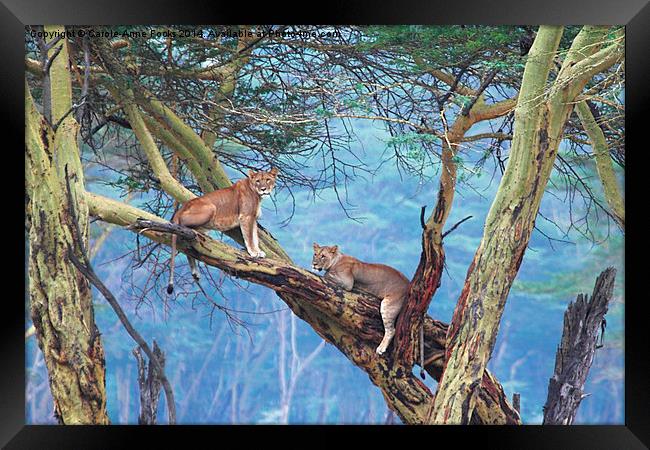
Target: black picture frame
[15,14]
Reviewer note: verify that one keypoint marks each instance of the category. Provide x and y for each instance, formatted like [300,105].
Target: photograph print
[300,224]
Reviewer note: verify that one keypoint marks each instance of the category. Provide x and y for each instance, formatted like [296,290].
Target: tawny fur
[238,205]
[378,279]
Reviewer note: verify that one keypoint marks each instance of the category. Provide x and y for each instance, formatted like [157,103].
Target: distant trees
[176,111]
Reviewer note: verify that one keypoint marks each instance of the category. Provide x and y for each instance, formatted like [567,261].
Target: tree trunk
[60,297]
[583,320]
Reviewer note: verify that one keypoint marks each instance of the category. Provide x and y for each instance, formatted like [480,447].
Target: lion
[378,279]
[238,205]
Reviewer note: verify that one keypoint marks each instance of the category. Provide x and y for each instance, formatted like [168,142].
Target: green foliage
[128,184]
[413,142]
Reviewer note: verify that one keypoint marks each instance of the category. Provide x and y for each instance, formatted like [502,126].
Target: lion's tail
[170,285]
[422,375]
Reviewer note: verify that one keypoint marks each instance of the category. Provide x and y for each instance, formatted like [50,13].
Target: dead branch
[149,384]
[582,322]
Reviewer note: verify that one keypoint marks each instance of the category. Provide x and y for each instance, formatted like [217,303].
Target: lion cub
[378,279]
[238,205]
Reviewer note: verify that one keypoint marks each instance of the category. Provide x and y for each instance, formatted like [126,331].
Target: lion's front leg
[249,231]
[256,241]
[345,280]
[390,308]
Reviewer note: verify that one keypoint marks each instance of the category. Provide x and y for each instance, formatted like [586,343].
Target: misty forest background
[222,372]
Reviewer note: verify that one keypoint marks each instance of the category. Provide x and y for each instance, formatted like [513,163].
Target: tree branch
[456,226]
[603,162]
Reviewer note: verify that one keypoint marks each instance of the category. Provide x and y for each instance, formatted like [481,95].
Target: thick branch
[192,141]
[584,70]
[175,144]
[603,162]
[168,183]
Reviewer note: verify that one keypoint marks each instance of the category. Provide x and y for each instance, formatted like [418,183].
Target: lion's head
[263,182]
[324,256]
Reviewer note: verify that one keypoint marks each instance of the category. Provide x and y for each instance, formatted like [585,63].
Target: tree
[539,124]
[60,297]
[242,103]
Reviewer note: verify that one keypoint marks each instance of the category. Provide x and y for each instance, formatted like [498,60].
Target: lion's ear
[316,246]
[335,248]
[274,171]
[251,173]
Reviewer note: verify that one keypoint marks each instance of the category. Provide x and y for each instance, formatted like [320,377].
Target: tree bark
[60,297]
[150,385]
[583,320]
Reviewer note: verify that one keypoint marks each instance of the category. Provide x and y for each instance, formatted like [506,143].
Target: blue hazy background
[223,375]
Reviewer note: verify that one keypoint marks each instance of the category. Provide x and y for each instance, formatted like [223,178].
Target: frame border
[635,14]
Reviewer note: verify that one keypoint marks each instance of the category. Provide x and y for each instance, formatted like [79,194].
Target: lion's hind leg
[196,214]
[193,268]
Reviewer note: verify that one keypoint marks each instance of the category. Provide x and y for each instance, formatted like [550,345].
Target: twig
[424,208]
[468,107]
[50,60]
[72,108]
[455,226]
[47,46]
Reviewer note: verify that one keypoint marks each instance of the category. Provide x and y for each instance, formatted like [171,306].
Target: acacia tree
[240,102]
[57,215]
[539,123]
